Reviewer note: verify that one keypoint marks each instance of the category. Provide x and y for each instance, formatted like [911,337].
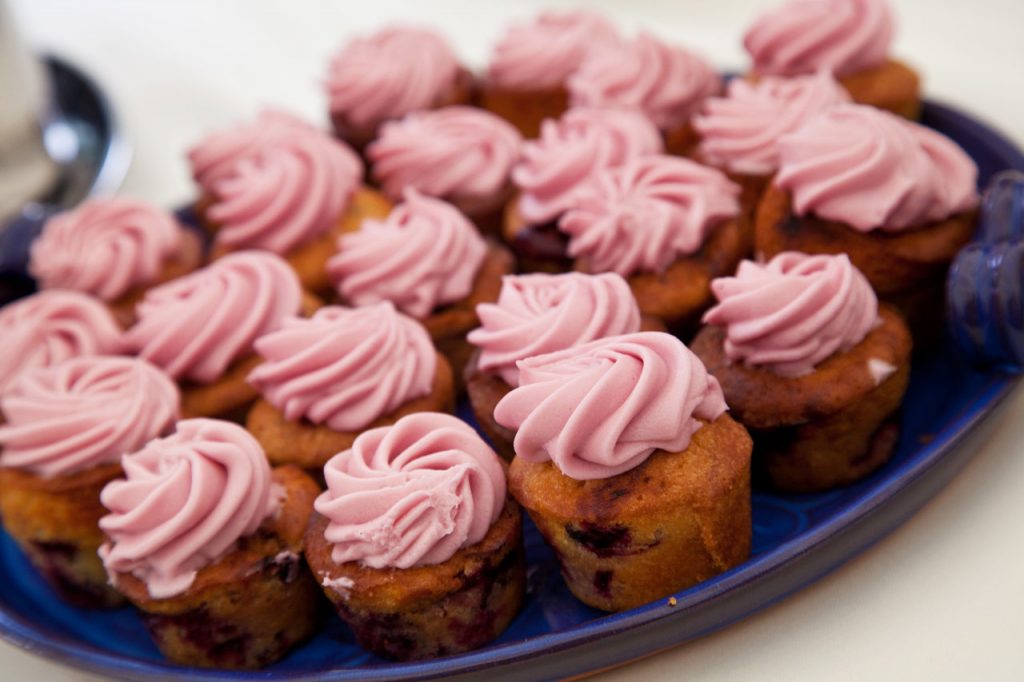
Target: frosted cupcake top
[84,412]
[601,409]
[793,312]
[411,494]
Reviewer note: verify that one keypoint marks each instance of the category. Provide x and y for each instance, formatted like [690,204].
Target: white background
[940,598]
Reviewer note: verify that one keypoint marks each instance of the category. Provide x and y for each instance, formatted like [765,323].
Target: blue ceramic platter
[797,538]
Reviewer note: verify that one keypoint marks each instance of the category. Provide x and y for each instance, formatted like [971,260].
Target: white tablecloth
[940,598]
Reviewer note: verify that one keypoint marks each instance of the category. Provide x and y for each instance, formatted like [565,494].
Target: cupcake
[850,38]
[386,75]
[739,133]
[811,365]
[64,430]
[429,261]
[206,541]
[630,468]
[666,224]
[666,83]
[553,170]
[200,328]
[460,154]
[897,197]
[537,314]
[113,249]
[415,540]
[529,67]
[52,326]
[294,194]
[325,379]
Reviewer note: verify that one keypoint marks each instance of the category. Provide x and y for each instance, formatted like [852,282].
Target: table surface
[939,598]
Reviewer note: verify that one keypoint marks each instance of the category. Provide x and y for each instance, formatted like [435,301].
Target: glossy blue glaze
[797,538]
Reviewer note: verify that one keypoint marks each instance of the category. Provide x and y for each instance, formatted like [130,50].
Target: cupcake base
[250,607]
[676,520]
[525,109]
[893,86]
[428,611]
[55,522]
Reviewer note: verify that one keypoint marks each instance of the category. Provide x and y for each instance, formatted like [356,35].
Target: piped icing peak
[286,193]
[104,247]
[870,169]
[386,75]
[665,82]
[537,314]
[184,502]
[411,494]
[793,312]
[216,156]
[456,152]
[425,254]
[804,36]
[646,213]
[51,326]
[84,412]
[603,408]
[345,367]
[740,132]
[541,54]
[571,150]
[194,327]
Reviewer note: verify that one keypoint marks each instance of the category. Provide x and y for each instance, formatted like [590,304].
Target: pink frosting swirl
[603,408]
[571,150]
[397,70]
[216,156]
[804,36]
[411,494]
[740,132]
[537,314]
[794,311]
[874,170]
[666,83]
[51,326]
[286,193]
[425,254]
[84,412]
[455,153]
[345,367]
[543,53]
[104,247]
[184,502]
[197,325]
[643,215]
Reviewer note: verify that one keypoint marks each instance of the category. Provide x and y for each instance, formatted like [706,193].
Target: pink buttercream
[804,36]
[541,54]
[105,247]
[46,328]
[874,170]
[411,494]
[740,132]
[645,214]
[456,152]
[285,194]
[603,408]
[571,151]
[194,327]
[84,412]
[666,83]
[216,156]
[537,314]
[345,367]
[390,73]
[184,502]
[794,311]
[425,254]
